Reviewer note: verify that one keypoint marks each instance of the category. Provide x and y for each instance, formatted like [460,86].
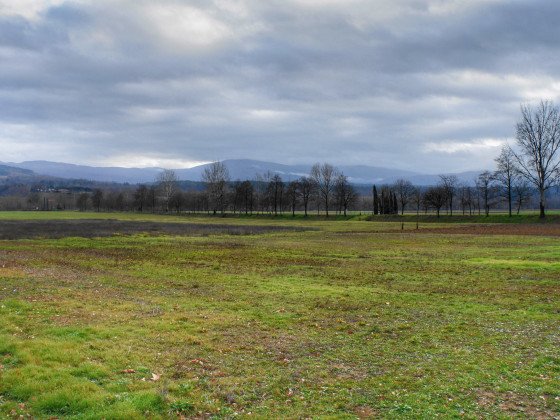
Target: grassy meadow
[353,319]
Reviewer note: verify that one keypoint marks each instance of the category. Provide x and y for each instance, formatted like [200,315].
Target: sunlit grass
[347,321]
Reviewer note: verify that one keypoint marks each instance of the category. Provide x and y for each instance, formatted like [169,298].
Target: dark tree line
[270,194]
[386,201]
[530,167]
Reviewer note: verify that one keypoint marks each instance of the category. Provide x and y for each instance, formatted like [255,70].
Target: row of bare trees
[327,190]
[268,193]
[488,190]
[531,166]
[533,163]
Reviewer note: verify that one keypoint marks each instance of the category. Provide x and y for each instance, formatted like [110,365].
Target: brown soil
[516,405]
[533,229]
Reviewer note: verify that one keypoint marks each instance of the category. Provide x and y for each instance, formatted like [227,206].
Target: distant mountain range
[238,168]
[10,171]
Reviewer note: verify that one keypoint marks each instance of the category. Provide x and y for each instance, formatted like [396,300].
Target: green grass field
[354,319]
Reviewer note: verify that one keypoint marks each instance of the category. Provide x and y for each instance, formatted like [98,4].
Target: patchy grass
[353,320]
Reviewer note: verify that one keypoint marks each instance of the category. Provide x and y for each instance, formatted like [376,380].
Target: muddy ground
[28,229]
[534,229]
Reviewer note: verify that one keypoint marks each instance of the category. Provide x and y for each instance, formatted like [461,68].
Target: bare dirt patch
[515,404]
[29,229]
[491,229]
[365,412]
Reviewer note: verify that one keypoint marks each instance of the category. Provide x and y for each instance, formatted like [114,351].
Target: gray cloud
[431,86]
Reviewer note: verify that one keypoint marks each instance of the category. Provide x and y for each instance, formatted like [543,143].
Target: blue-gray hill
[239,169]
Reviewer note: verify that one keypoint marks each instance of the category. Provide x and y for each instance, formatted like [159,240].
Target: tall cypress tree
[375,201]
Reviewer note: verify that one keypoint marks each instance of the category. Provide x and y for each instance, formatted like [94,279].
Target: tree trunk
[509,199]
[541,204]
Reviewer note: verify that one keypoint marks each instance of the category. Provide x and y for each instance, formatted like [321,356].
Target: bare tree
[449,183]
[416,199]
[177,201]
[237,196]
[465,198]
[435,197]
[344,192]
[307,189]
[152,198]
[141,197]
[522,192]
[167,185]
[261,183]
[33,199]
[247,196]
[404,190]
[97,199]
[485,187]
[506,174]
[275,191]
[82,201]
[323,177]
[264,191]
[120,201]
[538,138]
[216,179]
[293,192]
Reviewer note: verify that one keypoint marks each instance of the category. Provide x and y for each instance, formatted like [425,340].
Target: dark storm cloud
[418,85]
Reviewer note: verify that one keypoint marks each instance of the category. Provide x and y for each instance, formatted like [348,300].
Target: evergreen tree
[375,201]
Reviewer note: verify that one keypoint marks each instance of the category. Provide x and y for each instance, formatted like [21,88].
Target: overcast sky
[427,85]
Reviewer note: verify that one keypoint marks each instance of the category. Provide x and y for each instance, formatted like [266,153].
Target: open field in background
[353,319]
[354,221]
